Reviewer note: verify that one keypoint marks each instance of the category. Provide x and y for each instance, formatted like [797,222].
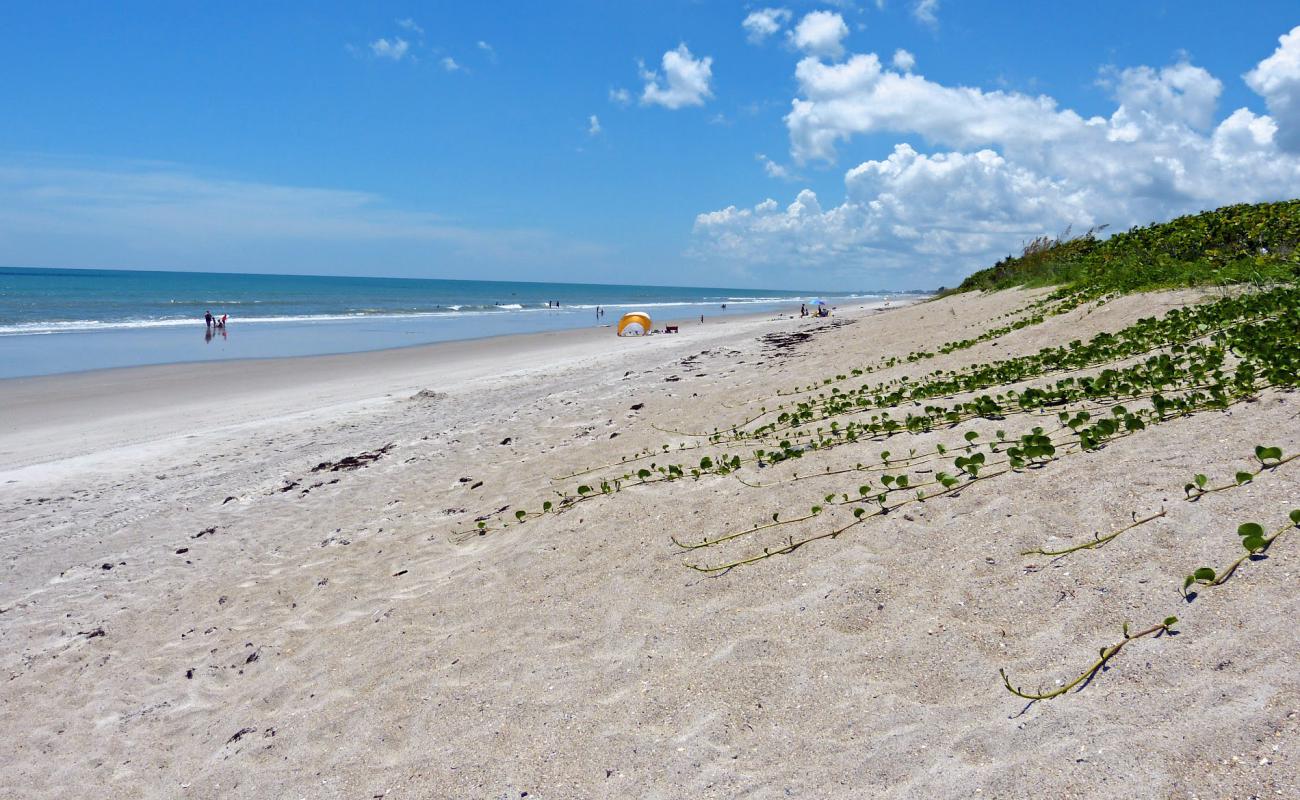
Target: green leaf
[1250,529]
[971,436]
[584,489]
[1265,454]
[1254,544]
[1244,478]
[520,514]
[1188,581]
[1170,621]
[1295,516]
[816,510]
[1201,480]
[858,512]
[1204,574]
[547,506]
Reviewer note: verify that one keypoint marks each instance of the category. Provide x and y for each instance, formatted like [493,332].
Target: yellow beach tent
[637,321]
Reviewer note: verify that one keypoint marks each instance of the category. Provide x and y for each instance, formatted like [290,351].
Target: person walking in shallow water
[207,318]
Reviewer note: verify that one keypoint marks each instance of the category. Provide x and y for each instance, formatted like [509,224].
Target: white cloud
[859,96]
[395,49]
[926,12]
[1179,93]
[620,96]
[684,82]
[763,23]
[775,170]
[593,125]
[488,49]
[1277,80]
[450,64]
[1004,167]
[820,34]
[905,211]
[411,25]
[903,61]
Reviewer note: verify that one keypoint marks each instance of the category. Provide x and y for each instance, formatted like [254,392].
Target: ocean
[70,320]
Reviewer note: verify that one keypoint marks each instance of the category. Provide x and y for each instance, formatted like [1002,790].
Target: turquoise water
[55,320]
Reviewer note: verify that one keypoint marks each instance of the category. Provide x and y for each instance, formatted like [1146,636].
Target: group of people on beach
[215,322]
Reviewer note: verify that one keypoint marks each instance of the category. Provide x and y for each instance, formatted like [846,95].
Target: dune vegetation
[867,450]
[1248,243]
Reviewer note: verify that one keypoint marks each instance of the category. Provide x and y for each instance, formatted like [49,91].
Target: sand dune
[199,600]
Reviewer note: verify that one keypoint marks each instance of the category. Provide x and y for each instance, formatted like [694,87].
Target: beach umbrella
[635,322]
[817,301]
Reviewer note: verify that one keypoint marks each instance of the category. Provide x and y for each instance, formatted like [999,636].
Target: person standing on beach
[207,318]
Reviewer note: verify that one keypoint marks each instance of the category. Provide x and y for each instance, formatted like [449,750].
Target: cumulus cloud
[489,50]
[395,49]
[820,34]
[1277,80]
[1000,168]
[906,211]
[903,61]
[593,125]
[451,65]
[684,81]
[761,24]
[620,96]
[860,96]
[1179,93]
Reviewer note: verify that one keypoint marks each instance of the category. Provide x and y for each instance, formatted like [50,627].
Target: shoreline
[44,414]
[273,322]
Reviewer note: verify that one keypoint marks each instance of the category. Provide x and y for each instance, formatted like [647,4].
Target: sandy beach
[251,579]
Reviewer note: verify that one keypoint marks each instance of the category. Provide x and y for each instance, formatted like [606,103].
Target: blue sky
[457,140]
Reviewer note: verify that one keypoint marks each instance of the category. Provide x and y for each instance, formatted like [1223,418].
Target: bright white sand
[331,640]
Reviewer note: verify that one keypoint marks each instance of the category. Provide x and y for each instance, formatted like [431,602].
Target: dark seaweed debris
[353,462]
